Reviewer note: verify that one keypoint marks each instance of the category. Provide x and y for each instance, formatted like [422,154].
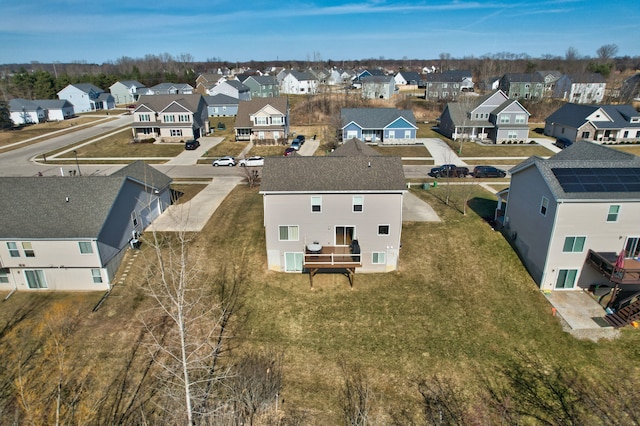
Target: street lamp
[77,164]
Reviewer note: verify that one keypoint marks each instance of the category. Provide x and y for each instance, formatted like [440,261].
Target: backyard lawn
[461,306]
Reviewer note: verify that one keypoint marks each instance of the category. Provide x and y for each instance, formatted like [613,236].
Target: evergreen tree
[5,116]
[44,85]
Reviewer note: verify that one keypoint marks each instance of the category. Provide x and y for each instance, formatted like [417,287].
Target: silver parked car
[251,162]
[224,161]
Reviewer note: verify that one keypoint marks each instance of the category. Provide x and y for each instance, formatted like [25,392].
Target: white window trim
[388,227]
[379,254]
[617,214]
[319,198]
[354,204]
[545,205]
[575,237]
[80,243]
[289,232]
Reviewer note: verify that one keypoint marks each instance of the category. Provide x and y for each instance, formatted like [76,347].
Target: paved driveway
[416,210]
[193,215]
[187,158]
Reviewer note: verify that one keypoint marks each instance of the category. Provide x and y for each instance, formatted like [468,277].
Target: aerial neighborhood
[429,210]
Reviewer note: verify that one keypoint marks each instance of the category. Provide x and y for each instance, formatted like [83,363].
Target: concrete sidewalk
[193,215]
[441,152]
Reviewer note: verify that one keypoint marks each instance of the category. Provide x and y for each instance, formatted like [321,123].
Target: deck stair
[624,316]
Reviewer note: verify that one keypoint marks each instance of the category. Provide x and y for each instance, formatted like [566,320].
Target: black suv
[300,139]
[192,144]
[562,143]
[488,172]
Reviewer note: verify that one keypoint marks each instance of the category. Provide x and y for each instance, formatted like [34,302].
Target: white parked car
[224,161]
[251,162]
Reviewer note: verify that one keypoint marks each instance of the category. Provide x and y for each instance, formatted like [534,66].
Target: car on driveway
[562,143]
[449,170]
[300,138]
[251,162]
[296,145]
[488,172]
[224,161]
[192,144]
[289,152]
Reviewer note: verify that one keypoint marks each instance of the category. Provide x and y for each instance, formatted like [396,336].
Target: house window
[632,248]
[13,250]
[176,132]
[277,120]
[445,94]
[261,120]
[184,118]
[444,85]
[28,250]
[35,278]
[345,235]
[357,203]
[4,276]
[169,118]
[638,134]
[505,119]
[544,205]
[383,229]
[293,262]
[85,247]
[566,278]
[512,134]
[288,233]
[316,204]
[573,244]
[97,277]
[377,257]
[614,211]
[585,135]
[144,117]
[520,119]
[134,219]
[407,134]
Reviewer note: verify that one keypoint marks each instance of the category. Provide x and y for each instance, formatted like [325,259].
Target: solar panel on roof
[598,179]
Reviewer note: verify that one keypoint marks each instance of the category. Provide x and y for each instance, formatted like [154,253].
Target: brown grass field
[460,306]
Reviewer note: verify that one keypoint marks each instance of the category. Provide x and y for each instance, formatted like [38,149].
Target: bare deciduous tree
[355,396]
[607,51]
[189,348]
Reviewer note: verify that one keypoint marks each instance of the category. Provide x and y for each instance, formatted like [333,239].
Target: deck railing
[605,263]
[332,259]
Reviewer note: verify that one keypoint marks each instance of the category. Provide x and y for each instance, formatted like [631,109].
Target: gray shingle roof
[220,99]
[237,85]
[523,78]
[354,147]
[375,118]
[246,108]
[19,104]
[53,103]
[575,115]
[451,76]
[37,207]
[332,173]
[158,103]
[582,154]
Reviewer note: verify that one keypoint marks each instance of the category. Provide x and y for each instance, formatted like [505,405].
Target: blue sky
[105,30]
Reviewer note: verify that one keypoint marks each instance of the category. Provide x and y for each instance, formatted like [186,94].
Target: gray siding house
[85,97]
[233,88]
[126,91]
[522,86]
[571,215]
[581,88]
[172,118]
[492,117]
[70,233]
[448,84]
[378,87]
[262,86]
[596,123]
[221,105]
[385,126]
[316,207]
[263,120]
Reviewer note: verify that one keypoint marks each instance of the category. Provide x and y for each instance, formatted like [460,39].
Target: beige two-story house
[170,118]
[263,120]
[71,233]
[571,215]
[342,210]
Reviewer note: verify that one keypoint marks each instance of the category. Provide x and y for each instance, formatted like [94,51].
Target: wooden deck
[338,258]
[605,263]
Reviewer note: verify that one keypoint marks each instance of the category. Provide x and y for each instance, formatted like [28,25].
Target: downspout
[15,288]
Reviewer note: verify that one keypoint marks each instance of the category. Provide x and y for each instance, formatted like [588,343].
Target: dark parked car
[449,170]
[562,143]
[221,126]
[300,139]
[488,172]
[192,144]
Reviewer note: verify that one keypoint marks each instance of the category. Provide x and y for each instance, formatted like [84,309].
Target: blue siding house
[384,126]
